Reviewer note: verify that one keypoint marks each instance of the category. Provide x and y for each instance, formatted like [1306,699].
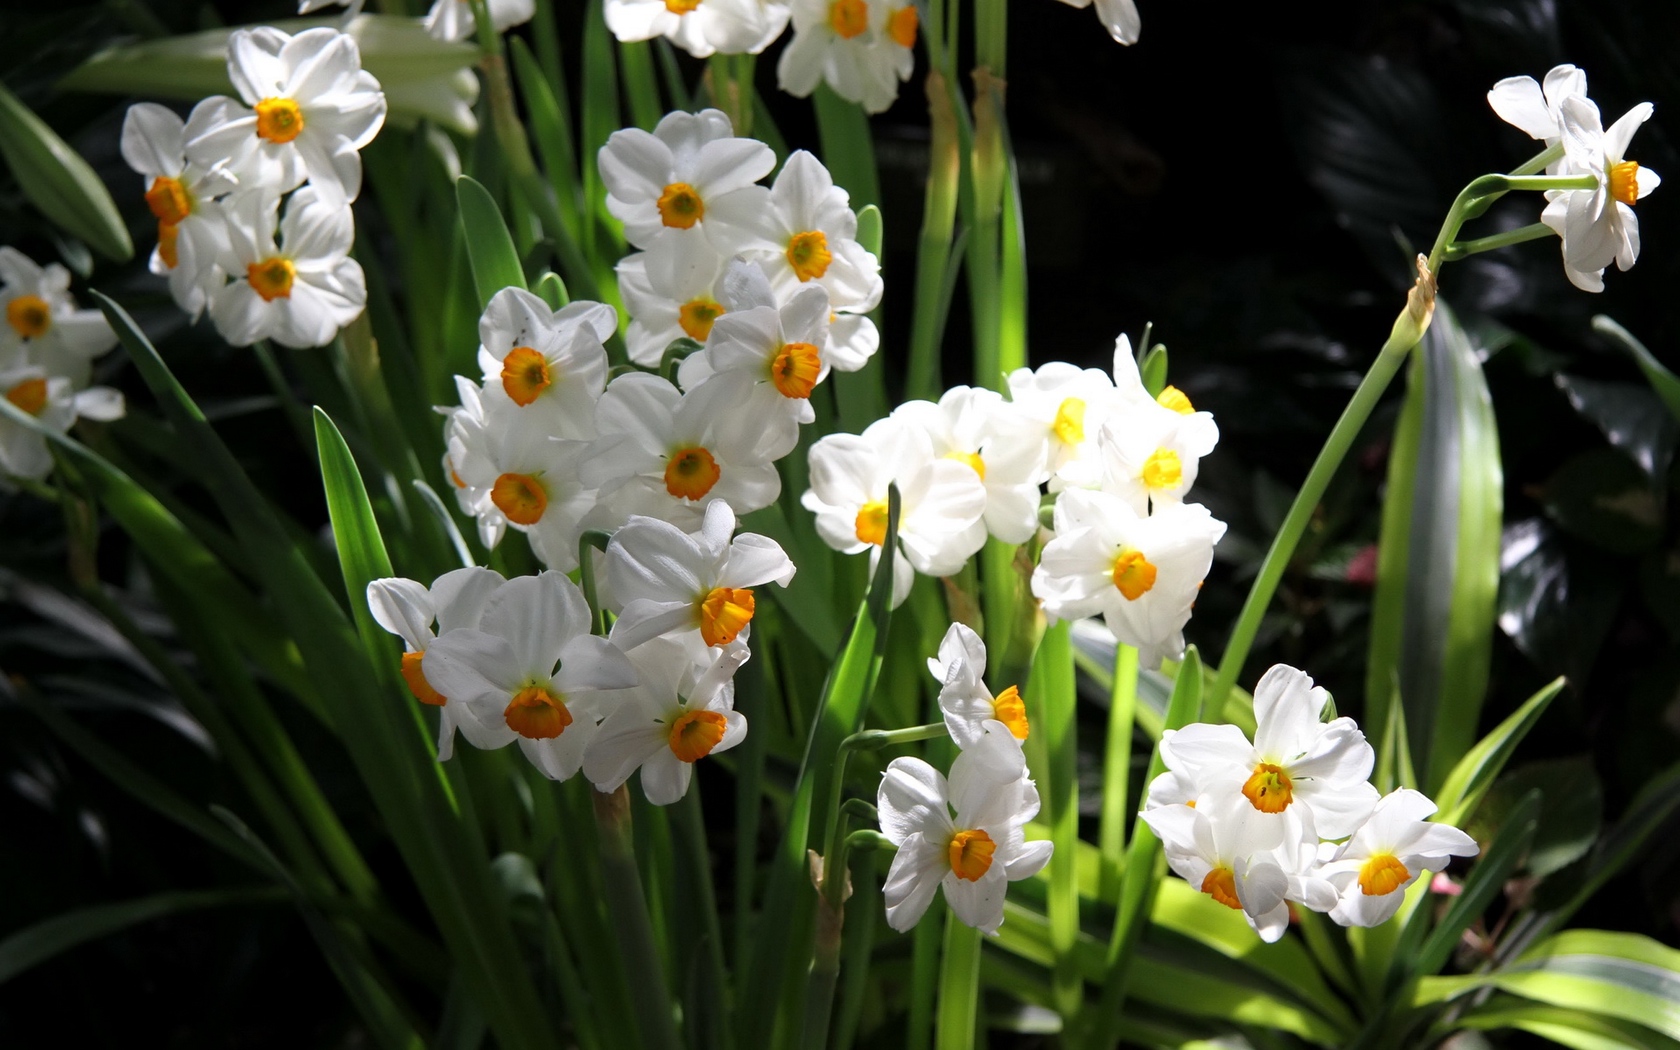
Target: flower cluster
[47,347]
[252,195]
[1598,225]
[1291,816]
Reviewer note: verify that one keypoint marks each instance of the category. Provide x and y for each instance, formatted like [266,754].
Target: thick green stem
[1463,249]
[622,882]
[596,539]
[959,987]
[933,253]
[1117,761]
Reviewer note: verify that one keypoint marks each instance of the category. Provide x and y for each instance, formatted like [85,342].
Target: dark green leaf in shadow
[1632,418]
[1604,498]
[1571,810]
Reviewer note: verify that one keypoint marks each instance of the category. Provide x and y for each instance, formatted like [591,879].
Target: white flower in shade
[464,441]
[1119,17]
[56,405]
[531,671]
[43,326]
[808,234]
[1141,573]
[862,48]
[1221,856]
[1521,102]
[680,713]
[667,454]
[408,609]
[690,587]
[941,501]
[967,704]
[308,108]
[520,476]
[545,367]
[978,427]
[964,835]
[1296,761]
[1598,226]
[1150,454]
[700,27]
[689,177]
[1386,854]
[453,19]
[192,233]
[298,292]
[684,302]
[769,357]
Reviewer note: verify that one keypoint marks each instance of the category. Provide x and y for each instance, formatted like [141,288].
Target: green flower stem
[691,835]
[933,252]
[1474,199]
[959,986]
[627,907]
[1464,249]
[1117,764]
[875,739]
[586,573]
[1538,162]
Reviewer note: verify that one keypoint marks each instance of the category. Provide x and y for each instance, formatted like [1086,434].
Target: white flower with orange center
[1119,17]
[680,713]
[1150,454]
[964,835]
[191,231]
[43,326]
[1387,853]
[941,501]
[453,19]
[56,405]
[672,292]
[689,177]
[465,443]
[700,27]
[298,291]
[531,671]
[978,427]
[408,609]
[696,587]
[1069,405]
[808,235]
[1141,574]
[862,48]
[960,669]
[668,454]
[1598,225]
[545,367]
[308,108]
[525,479]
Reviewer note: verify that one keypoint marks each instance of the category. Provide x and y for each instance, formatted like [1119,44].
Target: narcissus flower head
[55,405]
[183,197]
[298,291]
[1598,225]
[1387,853]
[547,367]
[689,177]
[43,327]
[700,27]
[968,705]
[453,19]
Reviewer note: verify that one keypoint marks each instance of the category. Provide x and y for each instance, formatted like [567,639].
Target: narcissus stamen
[29,316]
[848,18]
[1069,424]
[1174,398]
[1133,574]
[272,278]
[680,206]
[695,733]
[902,27]
[520,497]
[537,714]
[1011,710]
[1221,885]
[1382,874]
[417,683]
[871,524]
[724,612]
[168,200]
[795,368]
[29,395]
[1624,182]
[279,119]
[1269,788]
[972,459]
[691,472]
[808,252]
[681,7]
[525,375]
[696,317]
[971,854]
[1163,470]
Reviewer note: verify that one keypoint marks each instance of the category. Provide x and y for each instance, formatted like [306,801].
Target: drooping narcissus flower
[1598,226]
[964,699]
[298,291]
[700,27]
[182,195]
[861,48]
[1119,17]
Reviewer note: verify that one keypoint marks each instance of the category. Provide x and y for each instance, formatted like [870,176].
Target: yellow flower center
[695,733]
[29,316]
[525,375]
[1172,397]
[279,119]
[169,236]
[1624,181]
[696,317]
[272,278]
[1069,424]
[871,524]
[520,497]
[972,459]
[1382,874]
[902,27]
[1221,885]
[795,368]
[680,206]
[971,854]
[1269,788]
[681,7]
[1162,470]
[723,612]
[848,18]
[417,683]
[29,395]
[1011,710]
[691,472]
[168,200]
[808,252]
[1133,573]
[537,714]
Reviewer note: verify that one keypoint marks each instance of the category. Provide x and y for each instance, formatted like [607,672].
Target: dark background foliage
[1252,179]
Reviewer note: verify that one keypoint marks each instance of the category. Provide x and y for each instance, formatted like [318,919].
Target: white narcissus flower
[680,713]
[1598,226]
[1521,102]
[55,404]
[975,852]
[1150,454]
[1119,17]
[700,27]
[967,704]
[808,234]
[531,671]
[308,108]
[465,440]
[520,476]
[683,301]
[941,501]
[978,427]
[689,177]
[298,292]
[1141,573]
[862,48]
[545,367]
[43,326]
[192,233]
[408,609]
[1069,406]
[1295,760]
[691,587]
[852,341]
[1387,854]
[453,19]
